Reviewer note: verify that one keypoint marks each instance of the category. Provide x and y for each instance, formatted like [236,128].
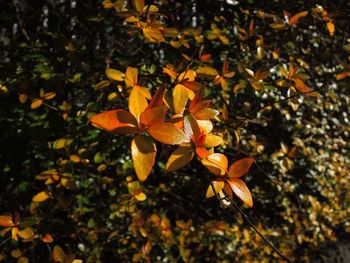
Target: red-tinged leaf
[47,238]
[343,75]
[277,26]
[143,152]
[225,66]
[153,115]
[303,88]
[58,254]
[240,167]
[202,152]
[177,120]
[192,85]
[199,106]
[179,158]
[6,221]
[241,190]
[205,57]
[224,112]
[206,114]
[180,97]
[295,19]
[118,121]
[191,128]
[214,188]
[216,163]
[131,76]
[167,133]
[137,101]
[157,99]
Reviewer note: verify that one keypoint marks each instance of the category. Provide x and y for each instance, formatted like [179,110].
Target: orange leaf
[202,152]
[214,188]
[343,75]
[179,158]
[331,28]
[143,152]
[294,19]
[118,121]
[240,167]
[241,190]
[167,133]
[216,163]
[47,238]
[41,197]
[137,101]
[58,254]
[157,99]
[153,115]
[36,103]
[6,221]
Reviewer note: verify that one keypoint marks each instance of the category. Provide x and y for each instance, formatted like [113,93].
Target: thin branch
[3,242]
[250,222]
[269,105]
[20,21]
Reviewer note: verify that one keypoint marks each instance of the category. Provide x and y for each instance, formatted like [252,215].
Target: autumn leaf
[138,101]
[41,197]
[214,188]
[118,121]
[240,167]
[58,254]
[239,188]
[179,158]
[26,234]
[167,133]
[143,152]
[6,221]
[216,163]
[114,74]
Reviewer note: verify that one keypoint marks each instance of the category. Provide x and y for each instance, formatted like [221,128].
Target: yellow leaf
[41,197]
[212,140]
[118,121]
[59,144]
[77,261]
[102,84]
[113,74]
[23,260]
[49,96]
[131,76]
[58,254]
[207,114]
[207,71]
[212,191]
[36,103]
[26,234]
[140,197]
[16,253]
[143,152]
[137,101]
[6,221]
[180,98]
[112,96]
[138,5]
[179,158]
[153,34]
[167,133]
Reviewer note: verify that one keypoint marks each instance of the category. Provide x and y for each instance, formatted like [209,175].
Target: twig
[269,105]
[249,221]
[51,107]
[20,21]
[3,242]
